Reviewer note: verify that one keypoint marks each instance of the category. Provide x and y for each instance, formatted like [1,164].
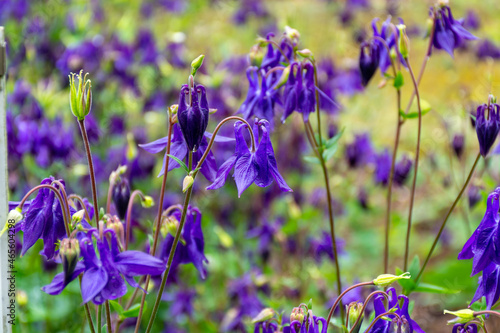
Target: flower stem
[99,320]
[417,156]
[379,317]
[129,214]
[172,252]
[80,200]
[108,316]
[337,301]
[91,169]
[368,298]
[487,312]
[471,173]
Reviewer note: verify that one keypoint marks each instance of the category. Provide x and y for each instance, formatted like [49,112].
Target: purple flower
[402,170]
[482,245]
[313,322]
[266,233]
[179,149]
[489,285]
[181,302]
[121,197]
[86,56]
[360,151]
[458,144]
[191,249]
[368,61]
[251,166]
[266,327]
[44,220]
[471,20]
[322,246]
[300,91]
[487,49]
[487,126]
[449,33]
[404,324]
[460,328]
[104,275]
[383,162]
[260,98]
[247,8]
[193,118]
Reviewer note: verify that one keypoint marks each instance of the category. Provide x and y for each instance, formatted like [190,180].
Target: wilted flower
[251,166]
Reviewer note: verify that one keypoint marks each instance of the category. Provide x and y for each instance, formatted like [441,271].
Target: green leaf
[182,164]
[133,311]
[425,106]
[331,145]
[473,117]
[310,304]
[311,159]
[408,285]
[398,80]
[116,307]
[431,288]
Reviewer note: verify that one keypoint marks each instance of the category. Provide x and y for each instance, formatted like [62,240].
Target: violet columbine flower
[383,162]
[181,302]
[404,324]
[464,328]
[104,275]
[300,91]
[449,33]
[488,286]
[193,118]
[121,196]
[312,322]
[179,149]
[402,170]
[266,232]
[482,245]
[251,166]
[368,61]
[487,49]
[260,98]
[458,144]
[44,220]
[360,151]
[487,126]
[191,248]
[322,246]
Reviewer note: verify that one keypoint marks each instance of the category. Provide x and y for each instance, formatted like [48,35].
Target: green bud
[443,3]
[354,312]
[284,77]
[148,202]
[403,41]
[264,315]
[80,95]
[462,316]
[306,53]
[292,33]
[386,280]
[21,298]
[131,147]
[13,217]
[114,177]
[69,250]
[187,183]
[196,64]
[256,56]
[78,217]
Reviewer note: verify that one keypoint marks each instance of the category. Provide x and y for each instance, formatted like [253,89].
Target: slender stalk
[373,294]
[129,214]
[99,319]
[471,173]
[379,317]
[317,105]
[417,156]
[171,254]
[108,317]
[487,312]
[91,169]
[337,301]
[80,200]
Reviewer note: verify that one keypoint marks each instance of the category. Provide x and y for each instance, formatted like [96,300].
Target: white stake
[4,205]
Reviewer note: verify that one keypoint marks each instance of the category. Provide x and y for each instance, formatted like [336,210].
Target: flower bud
[306,53]
[292,33]
[80,95]
[187,183]
[264,315]
[169,226]
[256,56]
[386,280]
[462,316]
[193,117]
[297,314]
[403,41]
[148,202]
[354,311]
[115,175]
[69,251]
[196,64]
[117,226]
[21,298]
[487,126]
[13,217]
[121,197]
[77,217]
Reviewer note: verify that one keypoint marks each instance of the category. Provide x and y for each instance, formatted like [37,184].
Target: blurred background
[266,249]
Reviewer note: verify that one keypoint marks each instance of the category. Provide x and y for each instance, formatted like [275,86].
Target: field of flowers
[302,166]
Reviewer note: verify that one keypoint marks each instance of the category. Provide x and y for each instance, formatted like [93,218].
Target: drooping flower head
[121,196]
[256,165]
[458,144]
[449,33]
[464,328]
[402,170]
[482,245]
[300,91]
[368,61]
[359,152]
[193,116]
[487,126]
[488,286]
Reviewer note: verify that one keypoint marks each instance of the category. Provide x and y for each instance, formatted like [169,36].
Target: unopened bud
[13,217]
[283,78]
[117,226]
[264,315]
[386,280]
[256,56]
[292,33]
[187,183]
[354,311]
[21,298]
[148,202]
[306,53]
[196,64]
[78,217]
[403,41]
[462,316]
[121,197]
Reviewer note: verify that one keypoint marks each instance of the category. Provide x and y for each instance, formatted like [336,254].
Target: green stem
[417,156]
[471,173]
[108,317]
[99,319]
[91,170]
[129,215]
